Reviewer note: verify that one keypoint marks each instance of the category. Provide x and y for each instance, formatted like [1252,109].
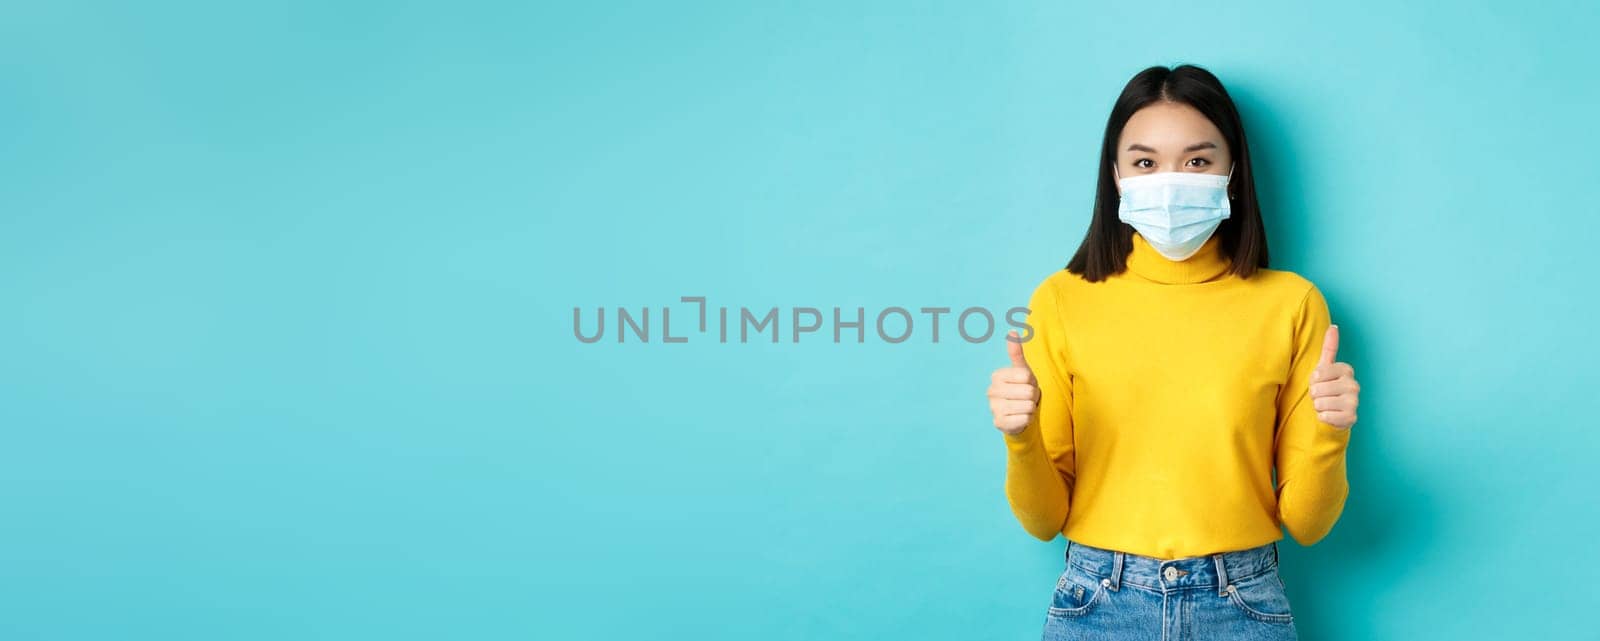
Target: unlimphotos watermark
[893,324]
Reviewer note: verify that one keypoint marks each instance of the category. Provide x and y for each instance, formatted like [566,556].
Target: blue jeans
[1120,596]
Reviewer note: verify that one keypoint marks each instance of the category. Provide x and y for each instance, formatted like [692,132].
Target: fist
[1334,391]
[1013,391]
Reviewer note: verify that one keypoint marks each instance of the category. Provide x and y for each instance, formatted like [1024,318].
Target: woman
[1167,373]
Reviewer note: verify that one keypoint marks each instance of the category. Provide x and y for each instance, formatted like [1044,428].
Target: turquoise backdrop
[287,344]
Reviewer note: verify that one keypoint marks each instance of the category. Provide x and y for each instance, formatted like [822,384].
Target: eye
[1136,163]
[1203,162]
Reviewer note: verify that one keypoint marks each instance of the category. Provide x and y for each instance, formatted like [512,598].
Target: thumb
[1014,348]
[1330,345]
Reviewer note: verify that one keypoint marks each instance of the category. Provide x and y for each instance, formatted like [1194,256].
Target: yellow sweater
[1168,393]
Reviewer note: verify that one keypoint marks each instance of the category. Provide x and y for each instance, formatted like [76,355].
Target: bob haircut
[1243,238]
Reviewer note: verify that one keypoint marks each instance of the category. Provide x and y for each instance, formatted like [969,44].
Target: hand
[1013,391]
[1334,391]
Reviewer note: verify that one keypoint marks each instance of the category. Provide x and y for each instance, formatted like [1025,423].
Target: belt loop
[1274,552]
[1222,575]
[1116,570]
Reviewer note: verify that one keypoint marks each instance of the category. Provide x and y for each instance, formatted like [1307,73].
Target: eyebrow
[1194,147]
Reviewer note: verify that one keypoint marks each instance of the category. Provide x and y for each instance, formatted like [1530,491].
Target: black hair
[1242,236]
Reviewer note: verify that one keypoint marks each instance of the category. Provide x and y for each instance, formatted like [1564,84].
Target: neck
[1205,265]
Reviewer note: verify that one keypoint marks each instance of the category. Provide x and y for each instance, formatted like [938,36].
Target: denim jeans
[1120,596]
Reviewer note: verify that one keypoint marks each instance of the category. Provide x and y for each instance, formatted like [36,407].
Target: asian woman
[1174,404]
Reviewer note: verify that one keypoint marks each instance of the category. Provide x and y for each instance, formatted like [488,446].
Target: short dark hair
[1243,237]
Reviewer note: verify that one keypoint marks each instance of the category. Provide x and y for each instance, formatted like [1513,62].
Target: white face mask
[1175,211]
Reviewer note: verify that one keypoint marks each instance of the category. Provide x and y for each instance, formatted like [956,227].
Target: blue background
[287,340]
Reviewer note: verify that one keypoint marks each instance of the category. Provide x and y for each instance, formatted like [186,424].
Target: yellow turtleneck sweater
[1168,393]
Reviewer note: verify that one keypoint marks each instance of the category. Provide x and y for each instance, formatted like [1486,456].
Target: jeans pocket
[1077,593]
[1262,597]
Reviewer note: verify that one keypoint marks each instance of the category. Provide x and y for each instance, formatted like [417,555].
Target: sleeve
[1309,454]
[1039,459]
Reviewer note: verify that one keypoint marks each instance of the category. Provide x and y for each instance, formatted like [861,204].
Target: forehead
[1168,126]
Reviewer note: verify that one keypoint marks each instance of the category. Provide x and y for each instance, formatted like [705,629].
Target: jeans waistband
[1214,571]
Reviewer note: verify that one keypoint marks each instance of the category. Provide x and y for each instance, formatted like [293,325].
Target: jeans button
[1172,573]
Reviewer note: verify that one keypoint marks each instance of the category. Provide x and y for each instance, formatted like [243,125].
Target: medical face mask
[1175,211]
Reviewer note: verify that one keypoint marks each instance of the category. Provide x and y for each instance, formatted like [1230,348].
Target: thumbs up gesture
[1013,391]
[1334,391]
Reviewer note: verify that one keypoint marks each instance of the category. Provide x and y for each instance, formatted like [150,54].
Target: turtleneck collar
[1205,265]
